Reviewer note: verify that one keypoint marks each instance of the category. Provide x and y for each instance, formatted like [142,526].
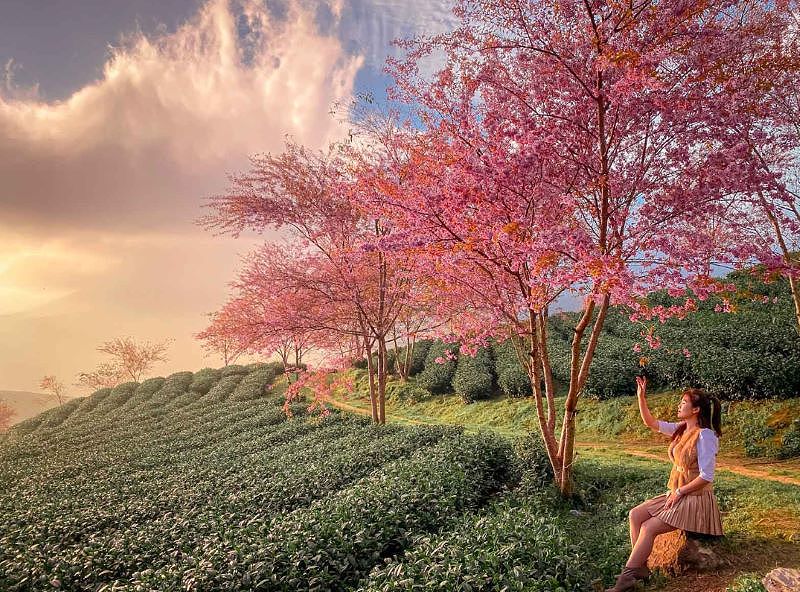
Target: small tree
[219,338]
[106,375]
[6,414]
[53,386]
[135,359]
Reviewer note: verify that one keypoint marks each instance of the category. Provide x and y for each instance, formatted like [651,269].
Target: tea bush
[435,377]
[512,378]
[474,377]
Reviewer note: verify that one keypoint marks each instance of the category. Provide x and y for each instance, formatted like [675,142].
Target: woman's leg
[648,532]
[636,517]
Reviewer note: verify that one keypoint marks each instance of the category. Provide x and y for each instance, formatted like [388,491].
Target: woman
[690,503]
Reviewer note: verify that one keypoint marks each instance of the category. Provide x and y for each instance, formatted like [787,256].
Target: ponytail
[716,416]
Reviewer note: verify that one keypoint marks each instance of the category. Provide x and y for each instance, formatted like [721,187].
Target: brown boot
[628,578]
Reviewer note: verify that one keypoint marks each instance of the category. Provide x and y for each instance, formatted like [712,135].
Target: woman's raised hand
[641,386]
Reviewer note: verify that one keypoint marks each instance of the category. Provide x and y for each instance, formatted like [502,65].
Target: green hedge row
[474,376]
[339,539]
[437,377]
[512,378]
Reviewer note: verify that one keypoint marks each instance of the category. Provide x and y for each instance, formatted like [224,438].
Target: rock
[782,579]
[675,553]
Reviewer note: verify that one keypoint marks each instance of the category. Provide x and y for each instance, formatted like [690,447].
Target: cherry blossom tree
[6,415]
[572,148]
[129,359]
[53,386]
[219,338]
[767,122]
[105,375]
[349,291]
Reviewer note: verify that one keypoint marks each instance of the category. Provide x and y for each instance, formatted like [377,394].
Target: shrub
[254,385]
[224,387]
[753,353]
[59,415]
[89,403]
[534,464]
[473,378]
[790,443]
[749,582]
[144,392]
[406,392]
[203,380]
[436,377]
[419,355]
[337,540]
[512,378]
[177,383]
[234,369]
[118,396]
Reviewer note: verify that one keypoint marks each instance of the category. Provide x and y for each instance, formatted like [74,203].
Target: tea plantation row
[200,482]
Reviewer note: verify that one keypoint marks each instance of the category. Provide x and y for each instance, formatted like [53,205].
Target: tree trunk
[787,256]
[382,379]
[371,371]
[567,444]
[410,343]
[397,363]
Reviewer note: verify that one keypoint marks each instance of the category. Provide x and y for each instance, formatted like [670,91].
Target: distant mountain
[26,404]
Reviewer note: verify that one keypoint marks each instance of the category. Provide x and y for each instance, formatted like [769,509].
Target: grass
[761,518]
[615,422]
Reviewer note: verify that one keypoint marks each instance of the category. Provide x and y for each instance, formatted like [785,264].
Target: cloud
[370,26]
[100,191]
[169,117]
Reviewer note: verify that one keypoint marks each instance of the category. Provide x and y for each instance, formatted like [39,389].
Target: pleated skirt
[695,513]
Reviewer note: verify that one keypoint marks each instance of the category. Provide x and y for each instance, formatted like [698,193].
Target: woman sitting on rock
[690,504]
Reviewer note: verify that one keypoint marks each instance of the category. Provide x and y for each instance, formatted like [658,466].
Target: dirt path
[722,464]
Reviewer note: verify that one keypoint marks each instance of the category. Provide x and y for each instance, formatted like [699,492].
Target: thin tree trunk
[567,443]
[532,365]
[371,371]
[382,379]
[787,257]
[410,343]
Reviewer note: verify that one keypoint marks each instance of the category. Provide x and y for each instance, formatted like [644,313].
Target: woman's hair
[710,415]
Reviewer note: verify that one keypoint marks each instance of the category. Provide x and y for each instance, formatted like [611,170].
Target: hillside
[201,482]
[26,404]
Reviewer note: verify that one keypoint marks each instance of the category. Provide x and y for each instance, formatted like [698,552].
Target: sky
[118,119]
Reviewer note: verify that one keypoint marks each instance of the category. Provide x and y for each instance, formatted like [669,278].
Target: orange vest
[683,454]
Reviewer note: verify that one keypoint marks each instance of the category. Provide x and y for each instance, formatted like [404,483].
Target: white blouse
[707,447]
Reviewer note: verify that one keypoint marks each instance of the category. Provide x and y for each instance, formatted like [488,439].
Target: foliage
[512,378]
[234,369]
[204,379]
[59,415]
[790,443]
[473,378]
[339,539]
[440,367]
[254,385]
[405,392]
[262,487]
[749,582]
[534,465]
